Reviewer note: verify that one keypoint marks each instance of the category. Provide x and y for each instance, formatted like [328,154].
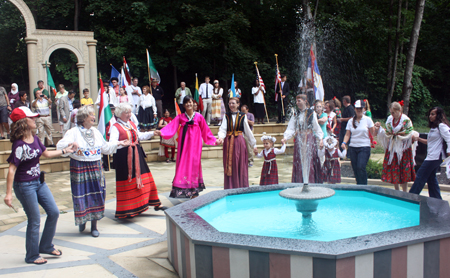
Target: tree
[407,85]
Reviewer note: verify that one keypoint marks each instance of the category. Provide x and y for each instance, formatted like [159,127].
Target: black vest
[239,124]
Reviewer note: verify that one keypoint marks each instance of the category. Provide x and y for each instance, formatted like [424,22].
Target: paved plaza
[125,248]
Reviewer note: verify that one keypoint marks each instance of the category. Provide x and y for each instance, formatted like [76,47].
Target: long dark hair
[187,99]
[440,117]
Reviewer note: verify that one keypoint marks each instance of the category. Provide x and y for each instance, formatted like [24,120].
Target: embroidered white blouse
[114,133]
[292,128]
[275,150]
[247,131]
[85,152]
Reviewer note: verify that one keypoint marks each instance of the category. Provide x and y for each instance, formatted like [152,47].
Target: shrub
[374,169]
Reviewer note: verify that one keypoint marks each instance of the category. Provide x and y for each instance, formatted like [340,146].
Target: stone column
[32,64]
[81,81]
[93,76]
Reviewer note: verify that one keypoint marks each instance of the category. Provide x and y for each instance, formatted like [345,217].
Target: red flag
[177,108]
[127,71]
[102,90]
[277,80]
[313,61]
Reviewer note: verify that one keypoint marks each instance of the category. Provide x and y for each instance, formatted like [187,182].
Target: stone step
[63,164]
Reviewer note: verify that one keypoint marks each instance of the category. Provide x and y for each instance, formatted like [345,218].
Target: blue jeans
[31,194]
[359,158]
[427,174]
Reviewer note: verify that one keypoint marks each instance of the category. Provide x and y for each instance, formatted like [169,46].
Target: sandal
[39,260]
[53,253]
[173,160]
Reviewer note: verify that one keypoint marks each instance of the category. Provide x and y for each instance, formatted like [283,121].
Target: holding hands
[124,143]
[219,141]
[157,133]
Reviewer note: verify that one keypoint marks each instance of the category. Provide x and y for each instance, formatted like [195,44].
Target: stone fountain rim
[432,226]
[315,193]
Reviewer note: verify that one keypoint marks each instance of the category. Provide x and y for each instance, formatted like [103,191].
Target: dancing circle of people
[323,134]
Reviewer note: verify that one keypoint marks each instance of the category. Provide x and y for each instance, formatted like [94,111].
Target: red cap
[22,112]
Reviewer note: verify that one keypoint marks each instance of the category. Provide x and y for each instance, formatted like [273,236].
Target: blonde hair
[396,106]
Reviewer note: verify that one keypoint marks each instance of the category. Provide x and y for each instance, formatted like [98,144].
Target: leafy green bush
[374,169]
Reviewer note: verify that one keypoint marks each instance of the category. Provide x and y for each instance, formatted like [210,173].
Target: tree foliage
[219,38]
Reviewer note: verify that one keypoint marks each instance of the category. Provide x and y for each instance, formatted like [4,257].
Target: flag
[197,96]
[177,108]
[114,73]
[105,114]
[316,78]
[301,83]
[261,82]
[152,69]
[233,89]
[277,80]
[126,71]
[50,80]
[127,86]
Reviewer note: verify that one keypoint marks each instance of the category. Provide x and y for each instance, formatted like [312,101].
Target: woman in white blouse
[218,107]
[235,157]
[439,132]
[360,129]
[147,109]
[86,175]
[304,126]
[135,187]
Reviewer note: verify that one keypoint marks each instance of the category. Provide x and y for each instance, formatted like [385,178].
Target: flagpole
[279,86]
[149,75]
[264,99]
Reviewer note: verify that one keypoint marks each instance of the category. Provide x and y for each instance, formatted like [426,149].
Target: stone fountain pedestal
[307,198]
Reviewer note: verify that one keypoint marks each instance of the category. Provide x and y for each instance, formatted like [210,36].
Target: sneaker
[250,165]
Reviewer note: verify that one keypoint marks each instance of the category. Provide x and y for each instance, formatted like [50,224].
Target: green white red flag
[105,114]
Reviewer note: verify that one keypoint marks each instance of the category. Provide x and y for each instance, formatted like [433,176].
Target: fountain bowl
[197,249]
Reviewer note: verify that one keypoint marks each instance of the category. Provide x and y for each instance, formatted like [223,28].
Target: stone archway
[41,43]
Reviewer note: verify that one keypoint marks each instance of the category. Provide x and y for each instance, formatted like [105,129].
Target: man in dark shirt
[282,92]
[347,114]
[41,89]
[23,100]
[158,94]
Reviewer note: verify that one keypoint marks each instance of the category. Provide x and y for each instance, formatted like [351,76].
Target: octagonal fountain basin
[361,231]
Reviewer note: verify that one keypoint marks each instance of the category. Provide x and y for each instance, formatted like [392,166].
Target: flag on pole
[261,82]
[277,80]
[177,108]
[50,82]
[127,86]
[152,69]
[233,89]
[114,73]
[197,96]
[301,83]
[316,78]
[126,71]
[105,114]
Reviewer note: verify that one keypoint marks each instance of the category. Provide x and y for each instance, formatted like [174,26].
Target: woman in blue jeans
[358,129]
[439,131]
[25,176]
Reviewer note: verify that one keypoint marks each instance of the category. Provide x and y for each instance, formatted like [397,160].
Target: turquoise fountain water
[347,214]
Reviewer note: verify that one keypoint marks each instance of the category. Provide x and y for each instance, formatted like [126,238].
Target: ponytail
[354,121]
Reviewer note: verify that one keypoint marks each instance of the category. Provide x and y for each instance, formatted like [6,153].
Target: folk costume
[398,164]
[304,126]
[167,143]
[136,189]
[235,158]
[188,180]
[269,173]
[331,168]
[147,111]
[87,179]
[218,107]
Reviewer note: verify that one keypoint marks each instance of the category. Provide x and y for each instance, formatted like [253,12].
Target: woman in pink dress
[188,180]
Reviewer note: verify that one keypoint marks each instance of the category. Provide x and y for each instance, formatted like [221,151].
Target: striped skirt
[88,190]
[218,109]
[132,201]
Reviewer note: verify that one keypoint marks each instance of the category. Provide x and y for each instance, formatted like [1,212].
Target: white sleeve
[145,135]
[248,133]
[68,138]
[260,154]
[155,109]
[316,127]
[290,130]
[444,130]
[223,128]
[321,152]
[254,90]
[200,90]
[98,98]
[221,92]
[107,147]
[113,134]
[280,151]
[342,154]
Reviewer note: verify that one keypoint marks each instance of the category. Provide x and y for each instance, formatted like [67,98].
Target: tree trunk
[315,10]
[407,85]
[76,17]
[403,34]
[397,46]
[175,78]
[307,9]
[390,57]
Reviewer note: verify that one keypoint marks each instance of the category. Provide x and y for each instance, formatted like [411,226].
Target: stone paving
[126,248]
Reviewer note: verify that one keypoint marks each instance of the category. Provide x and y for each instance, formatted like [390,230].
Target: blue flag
[233,89]
[114,72]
